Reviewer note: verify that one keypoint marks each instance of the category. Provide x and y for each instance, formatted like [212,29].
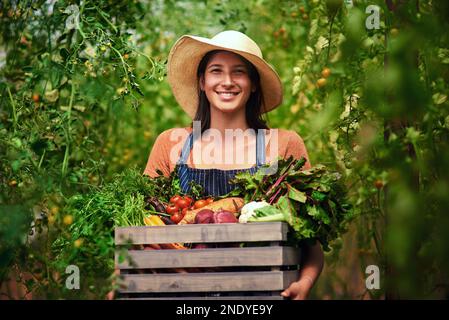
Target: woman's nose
[227,79]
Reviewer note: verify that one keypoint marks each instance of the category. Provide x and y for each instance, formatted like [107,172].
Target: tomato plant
[83,96]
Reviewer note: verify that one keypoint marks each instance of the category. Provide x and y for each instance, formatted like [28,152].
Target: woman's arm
[311,266]
[312,255]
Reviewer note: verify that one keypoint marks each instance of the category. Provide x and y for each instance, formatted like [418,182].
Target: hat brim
[182,66]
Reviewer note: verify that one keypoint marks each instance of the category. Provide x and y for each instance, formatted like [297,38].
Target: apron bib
[215,182]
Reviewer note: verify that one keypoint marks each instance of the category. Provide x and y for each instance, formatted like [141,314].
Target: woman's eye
[239,71]
[215,70]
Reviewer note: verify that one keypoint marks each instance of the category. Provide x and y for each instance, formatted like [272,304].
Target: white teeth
[228,94]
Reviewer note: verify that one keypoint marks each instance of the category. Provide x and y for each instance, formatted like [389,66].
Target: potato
[232,204]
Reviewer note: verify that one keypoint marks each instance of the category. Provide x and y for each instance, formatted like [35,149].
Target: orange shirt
[167,149]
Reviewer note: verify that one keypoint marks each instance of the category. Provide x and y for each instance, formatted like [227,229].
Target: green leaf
[319,214]
[318,196]
[285,205]
[267,211]
[64,53]
[297,195]
[15,165]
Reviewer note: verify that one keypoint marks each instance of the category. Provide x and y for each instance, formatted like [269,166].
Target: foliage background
[80,104]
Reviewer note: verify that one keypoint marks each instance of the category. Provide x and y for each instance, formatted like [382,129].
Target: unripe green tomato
[333,5]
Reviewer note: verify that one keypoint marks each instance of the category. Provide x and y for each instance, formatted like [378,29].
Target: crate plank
[220,257]
[209,282]
[204,233]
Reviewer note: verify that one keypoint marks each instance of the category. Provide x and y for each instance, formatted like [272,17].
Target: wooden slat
[220,257]
[209,282]
[204,233]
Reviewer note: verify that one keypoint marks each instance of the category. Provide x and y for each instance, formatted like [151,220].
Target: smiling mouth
[227,93]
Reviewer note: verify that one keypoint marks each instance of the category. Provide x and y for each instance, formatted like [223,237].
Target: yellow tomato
[68,219]
[78,243]
[54,210]
[321,82]
[326,72]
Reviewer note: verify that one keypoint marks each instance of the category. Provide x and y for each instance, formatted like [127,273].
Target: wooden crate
[261,269]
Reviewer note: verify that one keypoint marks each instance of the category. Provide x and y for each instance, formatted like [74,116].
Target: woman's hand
[298,290]
[313,261]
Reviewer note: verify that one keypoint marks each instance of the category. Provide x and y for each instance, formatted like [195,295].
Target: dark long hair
[253,106]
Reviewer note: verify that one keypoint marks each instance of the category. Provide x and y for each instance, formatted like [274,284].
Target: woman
[224,84]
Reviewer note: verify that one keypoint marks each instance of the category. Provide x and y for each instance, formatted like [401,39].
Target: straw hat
[187,53]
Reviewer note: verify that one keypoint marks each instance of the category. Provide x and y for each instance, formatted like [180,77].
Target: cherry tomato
[182,203]
[199,204]
[176,217]
[321,82]
[189,200]
[175,199]
[172,209]
[209,200]
[378,184]
[326,72]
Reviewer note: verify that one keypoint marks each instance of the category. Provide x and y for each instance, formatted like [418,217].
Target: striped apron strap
[183,170]
[188,144]
[260,147]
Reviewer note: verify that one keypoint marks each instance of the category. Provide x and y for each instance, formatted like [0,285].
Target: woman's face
[226,82]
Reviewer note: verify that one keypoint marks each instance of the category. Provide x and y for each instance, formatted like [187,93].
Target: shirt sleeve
[297,149]
[159,157]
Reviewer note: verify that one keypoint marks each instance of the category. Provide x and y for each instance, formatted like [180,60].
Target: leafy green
[313,202]
[120,202]
[297,195]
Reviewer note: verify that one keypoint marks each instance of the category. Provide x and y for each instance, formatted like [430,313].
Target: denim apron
[215,182]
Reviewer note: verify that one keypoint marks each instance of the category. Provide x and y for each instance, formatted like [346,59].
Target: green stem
[42,159]
[420,164]
[271,218]
[106,19]
[153,65]
[123,62]
[80,30]
[159,213]
[330,38]
[65,162]
[376,240]
[14,113]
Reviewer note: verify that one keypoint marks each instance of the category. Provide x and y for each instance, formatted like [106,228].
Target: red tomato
[378,184]
[175,199]
[172,209]
[182,203]
[209,200]
[176,217]
[188,199]
[199,204]
[184,211]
